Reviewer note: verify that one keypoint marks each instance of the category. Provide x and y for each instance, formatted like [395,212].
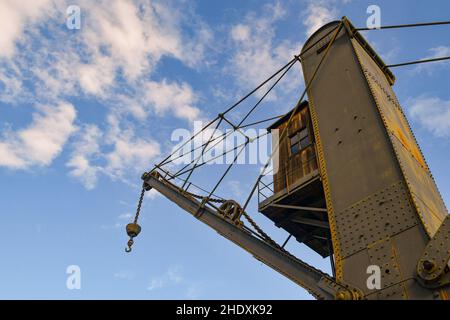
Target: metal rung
[312,222]
[285,206]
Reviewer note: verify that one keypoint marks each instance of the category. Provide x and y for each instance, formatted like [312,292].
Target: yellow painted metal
[423,190]
[338,261]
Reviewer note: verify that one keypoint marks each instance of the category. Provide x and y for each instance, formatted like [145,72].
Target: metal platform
[301,211]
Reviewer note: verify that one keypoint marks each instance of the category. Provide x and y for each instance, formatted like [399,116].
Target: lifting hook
[133,229]
[130,243]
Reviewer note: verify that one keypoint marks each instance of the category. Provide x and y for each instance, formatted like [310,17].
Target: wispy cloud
[111,61]
[124,275]
[120,221]
[432,113]
[15,16]
[42,141]
[257,53]
[152,194]
[436,52]
[129,150]
[112,153]
[235,187]
[178,98]
[125,216]
[318,13]
[173,277]
[86,147]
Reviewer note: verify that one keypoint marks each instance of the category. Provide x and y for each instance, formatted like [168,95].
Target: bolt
[428,266]
[342,295]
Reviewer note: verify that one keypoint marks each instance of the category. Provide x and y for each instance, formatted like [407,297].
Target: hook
[130,243]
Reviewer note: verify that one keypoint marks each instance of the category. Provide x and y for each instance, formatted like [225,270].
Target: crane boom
[318,283]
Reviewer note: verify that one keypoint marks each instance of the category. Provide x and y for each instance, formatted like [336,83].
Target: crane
[353,184]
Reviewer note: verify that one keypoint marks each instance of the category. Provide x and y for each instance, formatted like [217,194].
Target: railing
[271,183]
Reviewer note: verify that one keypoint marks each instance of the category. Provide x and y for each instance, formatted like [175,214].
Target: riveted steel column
[382,202]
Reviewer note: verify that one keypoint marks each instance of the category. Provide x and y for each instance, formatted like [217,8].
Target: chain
[265,236]
[272,242]
[197,196]
[133,229]
[138,209]
[258,229]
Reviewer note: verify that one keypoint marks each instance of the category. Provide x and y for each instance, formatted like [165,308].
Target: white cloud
[15,16]
[42,141]
[174,97]
[11,87]
[118,27]
[9,158]
[126,216]
[134,36]
[257,53]
[240,32]
[110,60]
[82,170]
[193,292]
[440,51]
[235,187]
[86,147]
[124,275]
[113,153]
[120,222]
[173,276]
[156,283]
[318,13]
[118,40]
[436,52]
[432,113]
[116,225]
[152,194]
[97,76]
[129,151]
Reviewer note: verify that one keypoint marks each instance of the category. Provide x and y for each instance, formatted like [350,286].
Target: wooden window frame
[299,139]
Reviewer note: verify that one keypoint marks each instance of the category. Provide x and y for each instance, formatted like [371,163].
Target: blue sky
[84,112]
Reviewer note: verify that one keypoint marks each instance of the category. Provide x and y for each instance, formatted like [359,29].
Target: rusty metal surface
[382,202]
[348,133]
[384,254]
[424,192]
[437,252]
[383,214]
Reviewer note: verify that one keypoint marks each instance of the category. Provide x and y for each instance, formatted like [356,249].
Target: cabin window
[299,141]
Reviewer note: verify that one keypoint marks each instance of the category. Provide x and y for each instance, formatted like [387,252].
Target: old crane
[352,183]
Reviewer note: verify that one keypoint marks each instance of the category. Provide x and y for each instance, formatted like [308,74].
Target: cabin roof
[285,118]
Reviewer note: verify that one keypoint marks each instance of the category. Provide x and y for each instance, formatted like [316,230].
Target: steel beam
[319,284]
[312,222]
[286,206]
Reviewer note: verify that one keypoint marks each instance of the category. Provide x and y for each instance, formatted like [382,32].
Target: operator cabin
[296,184]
